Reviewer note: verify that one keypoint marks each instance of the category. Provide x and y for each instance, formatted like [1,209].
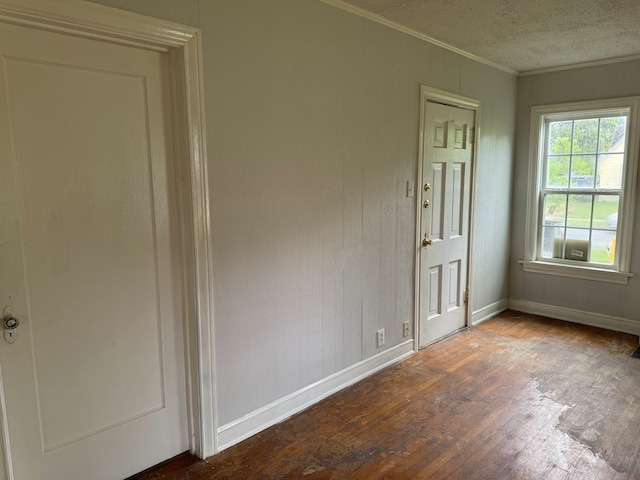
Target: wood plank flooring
[518,397]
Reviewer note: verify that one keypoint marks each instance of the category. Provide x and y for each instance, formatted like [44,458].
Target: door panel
[459,135]
[435,297]
[94,384]
[457,199]
[454,285]
[61,260]
[437,200]
[446,163]
[439,134]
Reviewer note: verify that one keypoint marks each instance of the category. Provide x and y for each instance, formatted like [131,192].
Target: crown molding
[374,17]
[377,18]
[573,66]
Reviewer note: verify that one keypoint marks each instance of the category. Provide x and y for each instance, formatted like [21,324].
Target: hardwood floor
[518,397]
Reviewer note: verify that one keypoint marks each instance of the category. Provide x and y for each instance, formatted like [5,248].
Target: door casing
[183,46]
[452,99]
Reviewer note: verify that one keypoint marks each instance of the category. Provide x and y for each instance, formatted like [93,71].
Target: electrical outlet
[380,336]
[405,329]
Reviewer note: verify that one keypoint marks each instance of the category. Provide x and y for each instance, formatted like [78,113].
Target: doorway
[104,222]
[447,151]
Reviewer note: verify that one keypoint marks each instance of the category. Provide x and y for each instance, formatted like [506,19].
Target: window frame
[532,262]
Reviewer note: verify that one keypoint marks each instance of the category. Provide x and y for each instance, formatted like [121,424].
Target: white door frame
[183,45]
[453,99]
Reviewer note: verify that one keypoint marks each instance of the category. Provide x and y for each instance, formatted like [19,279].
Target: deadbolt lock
[427,187]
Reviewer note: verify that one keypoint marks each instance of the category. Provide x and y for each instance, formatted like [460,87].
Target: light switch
[410,188]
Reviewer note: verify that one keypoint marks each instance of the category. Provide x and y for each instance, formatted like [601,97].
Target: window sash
[595,234]
[538,158]
[544,227]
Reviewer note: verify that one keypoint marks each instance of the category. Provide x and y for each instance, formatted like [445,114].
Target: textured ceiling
[522,34]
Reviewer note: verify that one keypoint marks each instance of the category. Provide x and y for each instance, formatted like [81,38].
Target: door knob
[10,323]
[427,242]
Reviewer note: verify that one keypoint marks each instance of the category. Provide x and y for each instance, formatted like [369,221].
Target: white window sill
[575,271]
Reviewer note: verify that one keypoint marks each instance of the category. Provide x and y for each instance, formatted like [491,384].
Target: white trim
[455,100]
[374,17]
[204,438]
[6,443]
[89,19]
[449,98]
[474,105]
[627,202]
[573,66]
[575,271]
[489,311]
[183,43]
[283,408]
[536,144]
[608,322]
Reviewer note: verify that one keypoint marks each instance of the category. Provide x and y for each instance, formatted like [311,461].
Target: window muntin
[582,186]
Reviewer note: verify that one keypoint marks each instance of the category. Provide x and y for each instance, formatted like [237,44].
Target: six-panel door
[445,189]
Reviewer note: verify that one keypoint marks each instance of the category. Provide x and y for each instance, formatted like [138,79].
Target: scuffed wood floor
[519,397]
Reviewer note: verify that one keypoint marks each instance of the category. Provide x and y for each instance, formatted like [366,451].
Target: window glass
[581,189]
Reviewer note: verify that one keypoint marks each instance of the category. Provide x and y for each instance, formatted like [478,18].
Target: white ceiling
[523,35]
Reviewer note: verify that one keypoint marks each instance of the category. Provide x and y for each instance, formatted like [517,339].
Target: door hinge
[466,296]
[472,135]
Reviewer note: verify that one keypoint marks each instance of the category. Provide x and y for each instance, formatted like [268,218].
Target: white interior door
[94,383]
[444,219]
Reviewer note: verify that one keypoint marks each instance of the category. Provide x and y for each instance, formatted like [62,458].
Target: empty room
[319,239]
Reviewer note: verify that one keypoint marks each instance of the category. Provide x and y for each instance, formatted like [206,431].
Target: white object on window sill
[576,271]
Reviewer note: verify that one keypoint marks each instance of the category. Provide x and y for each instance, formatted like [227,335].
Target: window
[582,189]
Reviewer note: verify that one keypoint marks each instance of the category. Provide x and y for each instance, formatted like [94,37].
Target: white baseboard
[283,408]
[577,316]
[489,311]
